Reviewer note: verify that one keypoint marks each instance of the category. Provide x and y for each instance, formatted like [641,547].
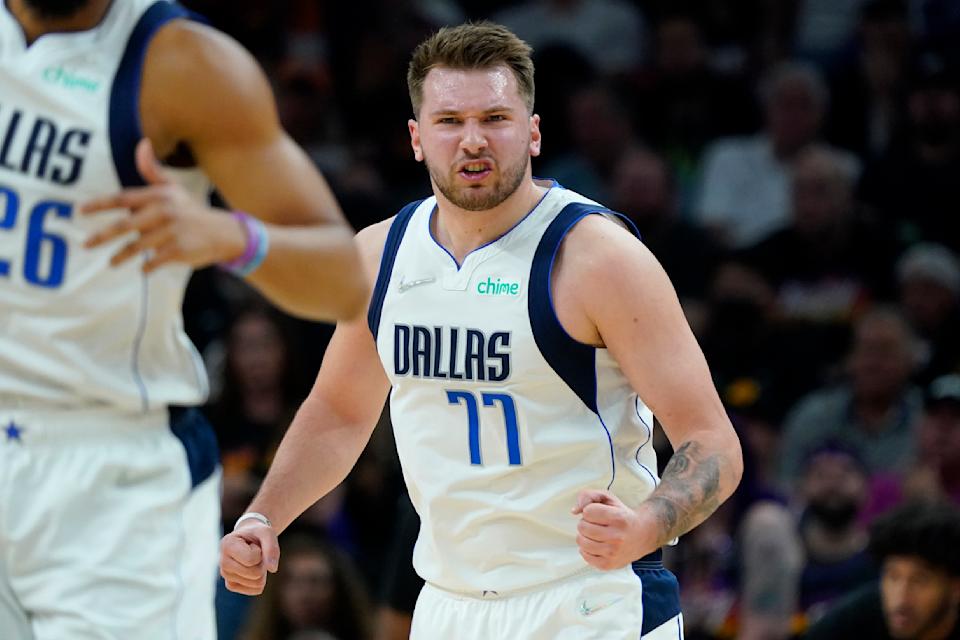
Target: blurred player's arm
[621,298]
[201,91]
[322,444]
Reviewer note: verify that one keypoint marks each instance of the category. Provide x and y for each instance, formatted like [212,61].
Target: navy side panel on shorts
[390,247]
[196,434]
[661,591]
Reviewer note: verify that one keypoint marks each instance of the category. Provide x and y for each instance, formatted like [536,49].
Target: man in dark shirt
[918,596]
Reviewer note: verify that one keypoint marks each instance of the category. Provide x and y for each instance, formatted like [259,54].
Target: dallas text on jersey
[36,146]
[451,353]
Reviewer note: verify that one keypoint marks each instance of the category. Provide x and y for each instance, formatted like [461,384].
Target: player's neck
[461,231]
[35,24]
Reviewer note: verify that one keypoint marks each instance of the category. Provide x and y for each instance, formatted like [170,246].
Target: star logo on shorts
[13,433]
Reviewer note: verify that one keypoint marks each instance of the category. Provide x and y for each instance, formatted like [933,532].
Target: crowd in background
[794,165]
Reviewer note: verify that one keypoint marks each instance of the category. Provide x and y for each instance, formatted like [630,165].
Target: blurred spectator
[918,595]
[760,364]
[830,262]
[929,278]
[914,185]
[316,589]
[824,28]
[682,103]
[601,132]
[871,412]
[936,470]
[610,33]
[745,189]
[260,390]
[866,111]
[790,569]
[644,189]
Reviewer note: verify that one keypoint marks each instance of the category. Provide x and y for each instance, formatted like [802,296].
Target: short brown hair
[474,45]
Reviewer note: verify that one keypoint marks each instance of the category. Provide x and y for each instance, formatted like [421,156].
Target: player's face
[56,8]
[475,135]
[917,598]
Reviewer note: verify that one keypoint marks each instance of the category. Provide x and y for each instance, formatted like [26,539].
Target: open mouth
[475,171]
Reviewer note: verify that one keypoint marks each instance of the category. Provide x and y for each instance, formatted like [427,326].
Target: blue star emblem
[13,433]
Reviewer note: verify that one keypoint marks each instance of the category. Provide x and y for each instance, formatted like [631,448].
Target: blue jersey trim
[194,432]
[613,457]
[636,456]
[124,117]
[389,257]
[573,361]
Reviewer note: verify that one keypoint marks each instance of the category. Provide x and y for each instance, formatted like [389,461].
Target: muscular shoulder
[201,85]
[370,243]
[599,250]
[599,261]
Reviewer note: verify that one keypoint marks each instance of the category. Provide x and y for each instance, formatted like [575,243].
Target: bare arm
[322,444]
[647,334]
[335,421]
[203,91]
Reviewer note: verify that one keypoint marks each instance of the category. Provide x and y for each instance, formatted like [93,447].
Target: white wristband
[252,515]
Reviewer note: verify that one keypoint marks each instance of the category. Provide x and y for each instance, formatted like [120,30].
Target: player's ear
[414,128]
[535,135]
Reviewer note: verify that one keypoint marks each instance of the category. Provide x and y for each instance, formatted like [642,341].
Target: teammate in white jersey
[521,339]
[109,517]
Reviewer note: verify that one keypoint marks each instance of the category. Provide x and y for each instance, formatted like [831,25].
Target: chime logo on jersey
[69,80]
[451,353]
[498,287]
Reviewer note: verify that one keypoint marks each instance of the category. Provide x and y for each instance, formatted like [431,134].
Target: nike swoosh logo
[410,284]
[587,610]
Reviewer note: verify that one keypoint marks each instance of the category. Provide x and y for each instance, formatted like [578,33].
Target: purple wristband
[253,242]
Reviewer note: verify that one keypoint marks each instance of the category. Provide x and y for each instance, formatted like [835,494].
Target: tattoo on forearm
[689,491]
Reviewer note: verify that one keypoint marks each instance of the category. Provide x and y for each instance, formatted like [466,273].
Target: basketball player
[524,336]
[102,481]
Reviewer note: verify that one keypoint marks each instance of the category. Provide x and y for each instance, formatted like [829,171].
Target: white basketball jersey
[73,329]
[500,417]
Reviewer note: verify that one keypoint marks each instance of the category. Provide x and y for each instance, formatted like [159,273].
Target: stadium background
[795,165]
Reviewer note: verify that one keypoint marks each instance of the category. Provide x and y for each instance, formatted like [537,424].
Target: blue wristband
[263,246]
[258,243]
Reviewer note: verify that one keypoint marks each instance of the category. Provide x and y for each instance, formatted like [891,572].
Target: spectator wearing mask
[793,567]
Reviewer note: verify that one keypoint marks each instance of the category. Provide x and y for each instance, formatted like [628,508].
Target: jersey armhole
[124,115]
[573,361]
[389,257]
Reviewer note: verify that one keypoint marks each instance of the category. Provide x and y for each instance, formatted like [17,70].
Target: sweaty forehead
[447,89]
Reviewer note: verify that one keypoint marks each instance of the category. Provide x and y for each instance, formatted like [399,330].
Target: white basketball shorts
[641,601]
[109,525]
